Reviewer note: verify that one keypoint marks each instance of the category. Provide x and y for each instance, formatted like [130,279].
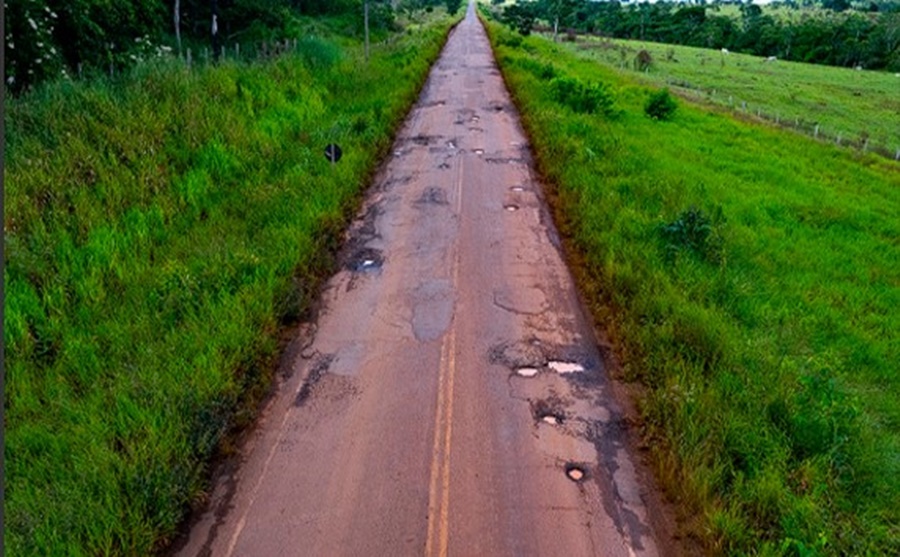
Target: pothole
[575,472]
[510,207]
[565,367]
[527,371]
[365,260]
[433,196]
[549,410]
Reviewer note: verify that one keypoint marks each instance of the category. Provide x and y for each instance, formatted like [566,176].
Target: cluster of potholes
[512,207]
[530,358]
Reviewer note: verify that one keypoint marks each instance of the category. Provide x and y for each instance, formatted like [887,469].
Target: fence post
[816,131]
[237,50]
[897,156]
[189,58]
[866,145]
[838,138]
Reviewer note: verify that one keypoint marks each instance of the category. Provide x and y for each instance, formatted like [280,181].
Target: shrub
[580,97]
[661,105]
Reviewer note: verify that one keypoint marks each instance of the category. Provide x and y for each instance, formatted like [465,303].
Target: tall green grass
[159,232]
[750,279]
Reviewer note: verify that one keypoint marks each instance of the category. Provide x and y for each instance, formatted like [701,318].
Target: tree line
[49,39]
[839,37]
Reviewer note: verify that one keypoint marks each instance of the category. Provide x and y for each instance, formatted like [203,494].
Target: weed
[660,105]
[694,232]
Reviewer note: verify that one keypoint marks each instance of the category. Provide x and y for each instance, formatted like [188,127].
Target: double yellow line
[439,488]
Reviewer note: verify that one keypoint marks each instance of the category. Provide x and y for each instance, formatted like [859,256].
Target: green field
[160,230]
[854,104]
[750,280]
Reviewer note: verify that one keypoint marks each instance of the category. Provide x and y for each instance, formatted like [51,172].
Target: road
[451,398]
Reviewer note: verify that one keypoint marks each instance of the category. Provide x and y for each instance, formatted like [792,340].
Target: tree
[520,16]
[453,6]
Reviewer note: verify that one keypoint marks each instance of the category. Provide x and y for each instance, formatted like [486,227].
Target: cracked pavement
[401,426]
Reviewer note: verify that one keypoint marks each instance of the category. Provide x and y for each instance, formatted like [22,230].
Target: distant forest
[48,39]
[834,32]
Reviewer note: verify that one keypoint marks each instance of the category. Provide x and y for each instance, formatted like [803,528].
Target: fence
[607,51]
[860,142]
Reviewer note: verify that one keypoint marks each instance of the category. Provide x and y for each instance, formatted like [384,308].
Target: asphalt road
[451,399]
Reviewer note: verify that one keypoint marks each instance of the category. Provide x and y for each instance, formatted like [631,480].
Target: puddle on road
[527,371]
[517,189]
[565,367]
[511,207]
[479,152]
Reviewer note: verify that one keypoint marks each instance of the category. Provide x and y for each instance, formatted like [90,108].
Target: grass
[160,230]
[750,280]
[855,104]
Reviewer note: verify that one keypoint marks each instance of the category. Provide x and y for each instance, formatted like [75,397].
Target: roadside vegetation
[749,278]
[861,107]
[160,229]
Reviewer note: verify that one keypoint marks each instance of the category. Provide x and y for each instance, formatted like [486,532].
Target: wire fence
[197,57]
[861,142]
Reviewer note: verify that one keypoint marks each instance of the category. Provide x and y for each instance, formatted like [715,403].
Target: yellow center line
[436,454]
[445,503]
[439,523]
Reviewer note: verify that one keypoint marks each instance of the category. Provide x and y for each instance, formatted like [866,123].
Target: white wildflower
[32,23]
[10,80]
[12,46]
[52,50]
[53,15]
[40,44]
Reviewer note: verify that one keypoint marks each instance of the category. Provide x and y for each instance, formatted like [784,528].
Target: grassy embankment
[159,231]
[853,104]
[750,279]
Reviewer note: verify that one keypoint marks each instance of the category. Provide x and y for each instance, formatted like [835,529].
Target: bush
[580,97]
[661,105]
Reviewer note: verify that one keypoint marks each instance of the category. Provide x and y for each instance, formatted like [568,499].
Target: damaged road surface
[451,399]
